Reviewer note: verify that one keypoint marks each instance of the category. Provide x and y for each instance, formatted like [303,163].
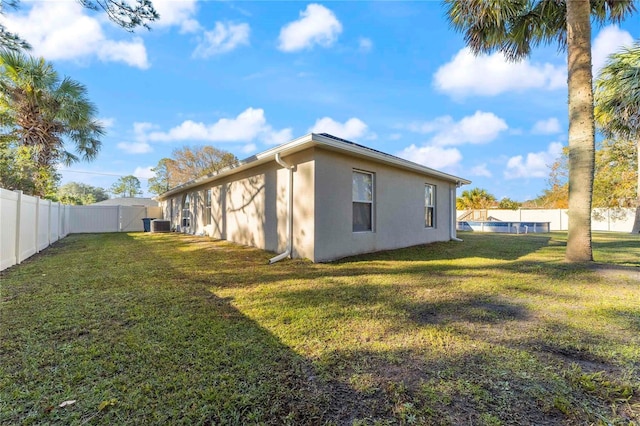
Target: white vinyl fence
[618,220]
[29,224]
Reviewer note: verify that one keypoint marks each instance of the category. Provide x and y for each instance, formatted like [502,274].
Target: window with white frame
[207,207]
[430,206]
[362,197]
[186,211]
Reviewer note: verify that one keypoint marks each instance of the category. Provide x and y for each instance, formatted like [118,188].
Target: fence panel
[131,218]
[617,220]
[27,239]
[84,219]
[29,224]
[54,222]
[8,231]
[44,207]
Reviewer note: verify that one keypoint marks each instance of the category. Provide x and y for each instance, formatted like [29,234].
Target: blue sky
[244,76]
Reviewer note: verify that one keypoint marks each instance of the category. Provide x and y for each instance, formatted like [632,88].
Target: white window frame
[430,204]
[208,202]
[370,202]
[186,211]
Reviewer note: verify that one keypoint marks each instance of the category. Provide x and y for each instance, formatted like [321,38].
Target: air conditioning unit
[158,225]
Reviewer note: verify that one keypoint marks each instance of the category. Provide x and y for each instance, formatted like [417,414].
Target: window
[362,191]
[186,211]
[429,206]
[207,207]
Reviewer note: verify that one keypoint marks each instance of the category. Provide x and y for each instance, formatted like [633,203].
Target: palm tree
[46,115]
[617,98]
[513,27]
[475,198]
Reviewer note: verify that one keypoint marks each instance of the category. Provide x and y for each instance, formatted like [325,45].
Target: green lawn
[171,329]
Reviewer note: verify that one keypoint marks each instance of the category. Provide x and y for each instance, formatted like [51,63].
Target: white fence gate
[29,224]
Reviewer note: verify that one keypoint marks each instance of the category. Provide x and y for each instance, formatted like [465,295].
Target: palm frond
[617,94]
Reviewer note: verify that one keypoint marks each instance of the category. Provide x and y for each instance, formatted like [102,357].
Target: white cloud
[144,172]
[365,45]
[490,75]
[177,13]
[317,25]
[140,144]
[435,157]
[107,122]
[481,170]
[223,38]
[131,53]
[549,126]
[609,40]
[536,164]
[135,147]
[273,137]
[249,148]
[353,128]
[61,31]
[481,127]
[247,126]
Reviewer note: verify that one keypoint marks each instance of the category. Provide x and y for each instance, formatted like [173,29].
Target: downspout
[288,251]
[454,219]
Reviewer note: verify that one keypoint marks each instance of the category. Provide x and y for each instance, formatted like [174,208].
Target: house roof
[322,140]
[128,201]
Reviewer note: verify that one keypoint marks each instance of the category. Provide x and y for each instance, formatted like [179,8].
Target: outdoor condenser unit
[158,225]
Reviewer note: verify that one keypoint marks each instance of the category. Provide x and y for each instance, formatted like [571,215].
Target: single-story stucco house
[319,197]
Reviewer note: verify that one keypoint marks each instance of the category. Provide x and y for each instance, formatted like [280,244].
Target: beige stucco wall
[250,207]
[398,208]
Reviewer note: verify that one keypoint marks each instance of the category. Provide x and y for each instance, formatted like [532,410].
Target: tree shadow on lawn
[224,264]
[173,334]
[151,350]
[489,246]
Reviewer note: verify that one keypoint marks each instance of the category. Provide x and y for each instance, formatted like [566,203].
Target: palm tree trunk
[581,131]
[636,223]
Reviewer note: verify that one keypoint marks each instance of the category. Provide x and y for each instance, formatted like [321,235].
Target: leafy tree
[189,163]
[46,116]
[509,204]
[514,28]
[77,193]
[476,198]
[617,110]
[162,181]
[614,180]
[127,14]
[126,186]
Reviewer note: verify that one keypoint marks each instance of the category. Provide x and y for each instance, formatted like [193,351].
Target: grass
[172,329]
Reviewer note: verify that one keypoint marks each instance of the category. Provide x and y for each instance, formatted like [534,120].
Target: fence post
[49,224]
[60,220]
[37,227]
[18,214]
[560,214]
[119,218]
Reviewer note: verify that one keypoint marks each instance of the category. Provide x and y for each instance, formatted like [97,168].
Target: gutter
[454,219]
[287,252]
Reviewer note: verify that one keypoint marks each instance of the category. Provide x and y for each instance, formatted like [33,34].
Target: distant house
[128,201]
[319,197]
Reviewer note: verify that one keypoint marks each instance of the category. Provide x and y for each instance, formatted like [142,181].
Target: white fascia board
[250,162]
[314,140]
